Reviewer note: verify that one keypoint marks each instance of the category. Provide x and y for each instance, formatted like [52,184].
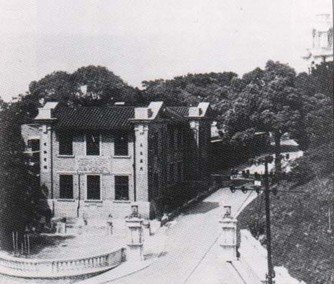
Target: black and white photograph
[166,142]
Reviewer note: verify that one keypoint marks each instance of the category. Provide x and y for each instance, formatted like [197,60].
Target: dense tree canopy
[268,100]
[190,89]
[19,192]
[317,88]
[90,85]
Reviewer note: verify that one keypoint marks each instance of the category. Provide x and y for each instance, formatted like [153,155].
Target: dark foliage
[19,189]
[190,89]
[267,100]
[90,85]
[300,211]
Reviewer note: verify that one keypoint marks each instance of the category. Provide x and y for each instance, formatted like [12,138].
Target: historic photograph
[166,142]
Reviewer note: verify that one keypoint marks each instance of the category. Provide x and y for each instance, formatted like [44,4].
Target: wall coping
[59,268]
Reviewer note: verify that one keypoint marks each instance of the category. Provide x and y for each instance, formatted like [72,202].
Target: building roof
[107,117]
[94,118]
[182,110]
[116,117]
[175,115]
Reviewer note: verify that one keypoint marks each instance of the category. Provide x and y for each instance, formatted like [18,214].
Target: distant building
[322,44]
[96,160]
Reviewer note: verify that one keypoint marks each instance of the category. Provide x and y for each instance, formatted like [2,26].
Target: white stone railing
[58,268]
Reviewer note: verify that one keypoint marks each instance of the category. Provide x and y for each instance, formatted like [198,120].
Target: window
[179,171]
[93,144]
[93,187]
[175,137]
[66,186]
[33,144]
[121,145]
[155,140]
[156,183]
[171,173]
[65,144]
[180,139]
[121,187]
[171,138]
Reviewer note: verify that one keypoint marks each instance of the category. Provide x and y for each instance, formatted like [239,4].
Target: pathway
[190,251]
[189,240]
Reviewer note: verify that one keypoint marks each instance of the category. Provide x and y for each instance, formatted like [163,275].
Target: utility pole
[265,160]
[270,274]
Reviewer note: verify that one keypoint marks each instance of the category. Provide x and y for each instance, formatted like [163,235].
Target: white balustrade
[15,266]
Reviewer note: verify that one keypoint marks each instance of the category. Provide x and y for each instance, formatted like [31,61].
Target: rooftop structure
[322,41]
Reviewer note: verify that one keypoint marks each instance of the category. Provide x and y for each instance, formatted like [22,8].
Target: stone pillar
[141,160]
[45,119]
[135,241]
[195,150]
[228,238]
[46,157]
[135,235]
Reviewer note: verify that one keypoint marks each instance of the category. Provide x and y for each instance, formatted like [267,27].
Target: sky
[150,39]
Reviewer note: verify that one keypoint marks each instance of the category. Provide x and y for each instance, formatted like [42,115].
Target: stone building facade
[322,41]
[97,160]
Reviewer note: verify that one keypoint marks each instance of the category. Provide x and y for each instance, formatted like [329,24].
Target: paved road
[189,240]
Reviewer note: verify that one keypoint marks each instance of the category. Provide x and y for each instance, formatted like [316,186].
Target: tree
[18,189]
[190,89]
[318,106]
[102,87]
[317,89]
[320,80]
[268,101]
[90,85]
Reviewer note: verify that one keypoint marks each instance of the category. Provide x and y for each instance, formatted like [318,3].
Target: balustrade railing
[54,268]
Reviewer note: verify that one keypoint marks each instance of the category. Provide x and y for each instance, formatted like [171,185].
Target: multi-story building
[322,41]
[97,160]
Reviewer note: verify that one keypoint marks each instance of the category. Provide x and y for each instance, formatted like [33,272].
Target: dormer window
[93,144]
[33,145]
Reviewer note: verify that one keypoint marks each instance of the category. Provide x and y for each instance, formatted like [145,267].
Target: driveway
[189,239]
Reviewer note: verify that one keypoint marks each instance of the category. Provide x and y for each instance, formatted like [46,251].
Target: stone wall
[80,165]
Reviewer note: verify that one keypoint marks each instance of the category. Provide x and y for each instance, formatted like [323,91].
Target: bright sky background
[149,39]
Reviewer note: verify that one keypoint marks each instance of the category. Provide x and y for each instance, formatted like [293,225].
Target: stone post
[228,237]
[61,227]
[135,240]
[109,225]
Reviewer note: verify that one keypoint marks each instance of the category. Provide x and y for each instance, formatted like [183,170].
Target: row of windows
[93,144]
[175,172]
[93,187]
[176,138]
